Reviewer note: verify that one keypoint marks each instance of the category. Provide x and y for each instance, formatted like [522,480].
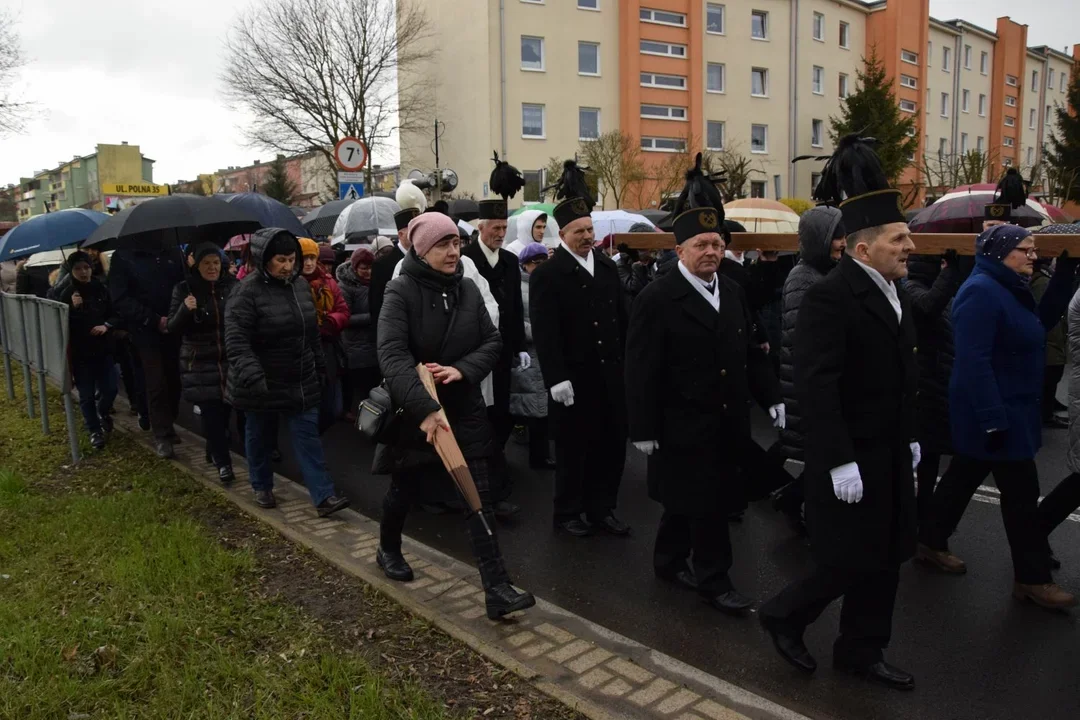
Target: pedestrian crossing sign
[351,191]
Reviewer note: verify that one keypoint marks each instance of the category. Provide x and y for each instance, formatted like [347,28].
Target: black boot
[265,499]
[503,599]
[331,505]
[394,565]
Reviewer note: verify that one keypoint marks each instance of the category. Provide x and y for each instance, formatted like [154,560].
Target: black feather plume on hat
[505,179]
[699,191]
[1011,189]
[854,169]
[572,184]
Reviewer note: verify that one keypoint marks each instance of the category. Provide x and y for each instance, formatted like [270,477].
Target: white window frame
[533,2]
[723,134]
[1012,81]
[817,127]
[723,78]
[1063,83]
[1034,81]
[543,121]
[648,15]
[671,112]
[1049,80]
[929,53]
[980,143]
[967,57]
[963,143]
[817,80]
[590,9]
[1010,121]
[943,147]
[543,54]
[843,86]
[982,105]
[845,35]
[946,58]
[1010,101]
[670,46]
[1007,162]
[1008,142]
[722,9]
[1032,118]
[662,86]
[911,58]
[909,82]
[596,110]
[764,82]
[908,106]
[765,148]
[817,23]
[965,101]
[815,178]
[764,24]
[984,62]
[764,189]
[1030,155]
[595,45]
[944,105]
[651,140]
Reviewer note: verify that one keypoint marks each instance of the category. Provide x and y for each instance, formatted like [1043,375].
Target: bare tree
[736,168]
[14,112]
[944,172]
[311,72]
[614,158]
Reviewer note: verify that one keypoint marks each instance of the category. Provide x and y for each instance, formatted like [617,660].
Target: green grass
[116,601]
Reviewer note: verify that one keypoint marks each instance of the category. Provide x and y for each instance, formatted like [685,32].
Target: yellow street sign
[140,189]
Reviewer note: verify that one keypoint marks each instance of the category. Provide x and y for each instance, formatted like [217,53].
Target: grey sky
[147,72]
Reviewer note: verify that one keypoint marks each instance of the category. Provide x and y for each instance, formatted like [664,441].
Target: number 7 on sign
[350,154]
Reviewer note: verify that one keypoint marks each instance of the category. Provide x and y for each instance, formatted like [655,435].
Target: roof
[1051,52]
[972,27]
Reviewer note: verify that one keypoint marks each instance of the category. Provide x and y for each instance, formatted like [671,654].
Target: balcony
[29,195]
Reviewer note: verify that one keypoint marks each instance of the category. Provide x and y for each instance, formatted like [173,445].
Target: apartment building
[533,78]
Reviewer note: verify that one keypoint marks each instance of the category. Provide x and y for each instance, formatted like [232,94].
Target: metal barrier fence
[34,332]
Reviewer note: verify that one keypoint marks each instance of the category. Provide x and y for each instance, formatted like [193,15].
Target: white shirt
[585,262]
[701,286]
[886,287]
[491,255]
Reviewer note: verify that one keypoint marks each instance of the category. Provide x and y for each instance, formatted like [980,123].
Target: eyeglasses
[1031,252]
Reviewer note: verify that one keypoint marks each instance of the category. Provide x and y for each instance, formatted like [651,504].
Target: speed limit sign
[350,153]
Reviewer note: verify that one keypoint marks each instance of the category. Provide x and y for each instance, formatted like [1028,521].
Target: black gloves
[995,441]
[949,256]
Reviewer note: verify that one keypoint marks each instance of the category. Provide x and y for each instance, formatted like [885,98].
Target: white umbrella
[1033,204]
[609,222]
[759,215]
[367,216]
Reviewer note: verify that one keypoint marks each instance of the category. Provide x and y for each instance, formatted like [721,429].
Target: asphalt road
[977,654]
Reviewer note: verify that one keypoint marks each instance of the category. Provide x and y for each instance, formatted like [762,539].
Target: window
[819,80]
[1008,142]
[1034,80]
[532,120]
[980,142]
[648,47]
[1007,162]
[817,131]
[929,53]
[714,135]
[532,53]
[1049,80]
[943,146]
[668,82]
[1061,82]
[984,62]
[1011,81]
[662,144]
[907,106]
[759,82]
[588,58]
[759,138]
[663,112]
[815,178]
[843,88]
[944,104]
[1010,101]
[757,188]
[588,123]
[965,101]
[662,17]
[588,4]
[715,78]
[714,19]
[534,2]
[819,27]
[909,57]
[963,143]
[982,106]
[1030,155]
[946,59]
[967,57]
[534,181]
[1046,117]
[1010,121]
[909,82]
[1031,118]
[777,186]
[845,35]
[759,25]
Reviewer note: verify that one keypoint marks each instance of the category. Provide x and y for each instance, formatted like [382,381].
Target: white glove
[916,455]
[524,361]
[647,446]
[847,483]
[778,413]
[563,393]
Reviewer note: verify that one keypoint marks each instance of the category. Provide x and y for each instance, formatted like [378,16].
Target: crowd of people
[872,361]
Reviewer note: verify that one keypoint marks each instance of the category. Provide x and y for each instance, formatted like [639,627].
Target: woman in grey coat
[528,396]
[358,339]
[1065,498]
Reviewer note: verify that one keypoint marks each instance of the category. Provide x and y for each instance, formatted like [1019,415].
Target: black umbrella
[187,219]
[464,209]
[320,221]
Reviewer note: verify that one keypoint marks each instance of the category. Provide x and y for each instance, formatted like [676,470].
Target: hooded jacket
[528,396]
[141,283]
[272,339]
[358,339]
[96,309]
[816,228]
[203,361]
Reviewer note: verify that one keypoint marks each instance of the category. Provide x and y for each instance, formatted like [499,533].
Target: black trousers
[1060,503]
[401,495]
[865,617]
[590,452]
[161,372]
[709,541]
[539,442]
[1051,377]
[502,425]
[1018,482]
[927,475]
[131,375]
[215,424]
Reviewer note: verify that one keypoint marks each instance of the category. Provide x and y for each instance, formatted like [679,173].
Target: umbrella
[962,211]
[367,216]
[238,242]
[190,218]
[542,207]
[270,212]
[298,211]
[609,222]
[464,209]
[320,221]
[1057,215]
[1058,229]
[50,231]
[654,216]
[759,215]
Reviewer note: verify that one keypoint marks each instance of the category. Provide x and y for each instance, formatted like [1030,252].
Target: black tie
[711,287]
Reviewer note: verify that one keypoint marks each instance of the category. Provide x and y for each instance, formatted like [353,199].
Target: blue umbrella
[269,211]
[50,231]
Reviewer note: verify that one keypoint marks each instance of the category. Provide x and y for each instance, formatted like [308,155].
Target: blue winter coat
[1000,340]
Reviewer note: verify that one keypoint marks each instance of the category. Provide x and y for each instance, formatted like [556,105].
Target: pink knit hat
[427,229]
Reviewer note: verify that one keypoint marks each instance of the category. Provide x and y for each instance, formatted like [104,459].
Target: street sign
[350,154]
[349,178]
[350,191]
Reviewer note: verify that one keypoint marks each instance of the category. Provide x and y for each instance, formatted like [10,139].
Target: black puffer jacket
[358,338]
[428,316]
[95,310]
[816,228]
[272,339]
[203,362]
[932,290]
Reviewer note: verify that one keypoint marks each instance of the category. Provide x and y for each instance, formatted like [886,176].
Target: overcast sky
[147,72]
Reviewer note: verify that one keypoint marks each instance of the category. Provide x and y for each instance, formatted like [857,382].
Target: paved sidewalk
[600,673]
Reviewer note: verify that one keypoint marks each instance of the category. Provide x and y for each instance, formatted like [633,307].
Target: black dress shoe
[576,527]
[880,672]
[611,525]
[331,505]
[225,474]
[731,602]
[504,509]
[164,449]
[790,645]
[97,441]
[275,455]
[546,464]
[503,599]
[394,565]
[684,577]
[265,499]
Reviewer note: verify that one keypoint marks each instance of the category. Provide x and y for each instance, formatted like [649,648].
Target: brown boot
[1049,596]
[943,560]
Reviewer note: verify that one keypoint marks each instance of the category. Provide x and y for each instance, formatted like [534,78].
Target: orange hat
[308,247]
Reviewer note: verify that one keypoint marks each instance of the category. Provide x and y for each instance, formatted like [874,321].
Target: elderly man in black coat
[578,310]
[855,377]
[692,364]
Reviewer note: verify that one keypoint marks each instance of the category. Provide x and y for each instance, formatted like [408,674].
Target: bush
[798,205]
